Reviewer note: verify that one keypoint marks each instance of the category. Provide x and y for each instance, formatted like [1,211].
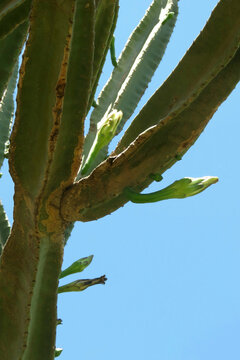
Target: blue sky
[172,267]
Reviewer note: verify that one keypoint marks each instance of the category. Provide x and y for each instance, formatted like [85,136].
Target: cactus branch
[154,151]
[67,156]
[106,18]
[222,35]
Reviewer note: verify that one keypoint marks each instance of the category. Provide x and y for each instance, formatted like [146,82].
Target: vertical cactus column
[29,246]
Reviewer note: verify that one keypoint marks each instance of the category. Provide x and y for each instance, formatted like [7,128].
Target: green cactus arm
[150,153]
[4,228]
[37,94]
[6,113]
[106,19]
[41,253]
[14,17]
[65,162]
[126,60]
[146,62]
[180,189]
[10,48]
[80,285]
[131,77]
[222,35]
[106,131]
[77,266]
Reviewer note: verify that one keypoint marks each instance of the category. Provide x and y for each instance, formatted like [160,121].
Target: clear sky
[172,267]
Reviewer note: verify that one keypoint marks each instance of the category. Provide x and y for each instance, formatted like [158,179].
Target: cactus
[60,176]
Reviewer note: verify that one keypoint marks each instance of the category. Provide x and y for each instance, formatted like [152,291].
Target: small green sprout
[178,190]
[106,130]
[58,352]
[77,266]
[80,285]
[168,17]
